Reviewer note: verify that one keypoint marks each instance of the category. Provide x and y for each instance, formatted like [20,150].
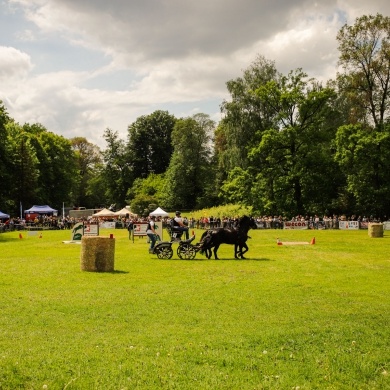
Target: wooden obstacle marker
[312,242]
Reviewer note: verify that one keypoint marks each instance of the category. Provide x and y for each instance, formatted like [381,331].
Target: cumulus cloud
[13,64]
[79,67]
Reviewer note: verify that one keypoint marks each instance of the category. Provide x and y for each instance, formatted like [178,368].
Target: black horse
[237,237]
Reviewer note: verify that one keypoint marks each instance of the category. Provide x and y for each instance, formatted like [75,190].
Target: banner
[108,225]
[77,231]
[297,225]
[139,228]
[349,225]
[91,229]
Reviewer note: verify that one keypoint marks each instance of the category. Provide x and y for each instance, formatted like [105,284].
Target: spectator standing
[151,232]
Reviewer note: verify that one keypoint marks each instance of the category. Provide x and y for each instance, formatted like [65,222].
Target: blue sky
[79,67]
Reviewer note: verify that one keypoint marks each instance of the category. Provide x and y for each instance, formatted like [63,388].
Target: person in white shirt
[151,232]
[179,225]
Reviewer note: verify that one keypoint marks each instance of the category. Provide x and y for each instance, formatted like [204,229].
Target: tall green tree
[23,167]
[149,143]
[365,57]
[362,145]
[116,174]
[290,166]
[5,172]
[57,167]
[364,156]
[43,166]
[146,194]
[96,187]
[245,115]
[190,175]
[88,157]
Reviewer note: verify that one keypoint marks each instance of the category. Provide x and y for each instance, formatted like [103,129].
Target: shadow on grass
[178,259]
[107,272]
[246,259]
[220,259]
[7,238]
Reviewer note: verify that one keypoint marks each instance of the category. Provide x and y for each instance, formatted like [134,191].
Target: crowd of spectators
[313,222]
[270,222]
[263,222]
[40,222]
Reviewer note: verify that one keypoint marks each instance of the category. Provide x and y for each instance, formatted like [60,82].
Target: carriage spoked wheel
[186,252]
[165,252]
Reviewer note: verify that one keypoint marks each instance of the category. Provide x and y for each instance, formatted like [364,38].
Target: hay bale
[375,229]
[97,254]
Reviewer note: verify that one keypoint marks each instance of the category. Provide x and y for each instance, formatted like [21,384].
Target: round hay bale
[375,229]
[97,254]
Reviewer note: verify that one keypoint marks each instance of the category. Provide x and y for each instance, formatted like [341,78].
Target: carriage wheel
[165,252]
[186,252]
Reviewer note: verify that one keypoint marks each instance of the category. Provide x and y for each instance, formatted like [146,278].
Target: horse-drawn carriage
[211,240]
[186,250]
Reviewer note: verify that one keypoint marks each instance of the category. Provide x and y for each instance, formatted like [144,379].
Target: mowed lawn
[287,317]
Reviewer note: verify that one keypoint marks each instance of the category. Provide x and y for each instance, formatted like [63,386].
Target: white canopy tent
[124,212]
[104,213]
[159,212]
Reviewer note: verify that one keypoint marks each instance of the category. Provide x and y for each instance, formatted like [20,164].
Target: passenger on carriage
[179,225]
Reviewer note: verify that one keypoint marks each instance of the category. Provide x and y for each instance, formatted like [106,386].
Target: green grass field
[287,317]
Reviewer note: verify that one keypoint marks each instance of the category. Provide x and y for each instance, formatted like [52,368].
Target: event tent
[125,211]
[159,212]
[40,210]
[3,215]
[104,213]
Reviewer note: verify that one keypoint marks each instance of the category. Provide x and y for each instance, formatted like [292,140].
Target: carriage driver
[179,225]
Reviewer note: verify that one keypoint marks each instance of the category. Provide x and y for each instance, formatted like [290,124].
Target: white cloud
[13,64]
[79,67]
[310,45]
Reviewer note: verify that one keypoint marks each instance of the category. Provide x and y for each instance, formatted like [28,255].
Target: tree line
[287,144]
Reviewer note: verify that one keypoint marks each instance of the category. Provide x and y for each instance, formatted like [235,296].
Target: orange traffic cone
[20,235]
[313,241]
